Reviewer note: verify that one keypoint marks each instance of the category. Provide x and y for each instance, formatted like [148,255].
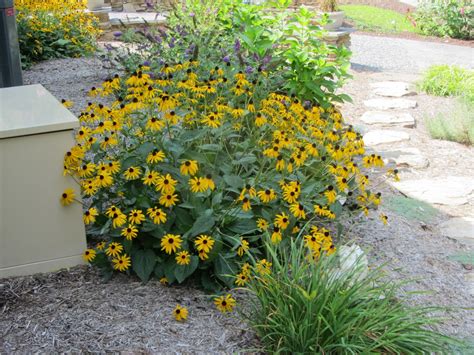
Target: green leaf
[144,149]
[210,147]
[243,226]
[246,159]
[234,181]
[130,161]
[143,263]
[225,270]
[182,272]
[203,224]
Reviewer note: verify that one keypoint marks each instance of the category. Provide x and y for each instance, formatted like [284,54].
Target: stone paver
[411,157]
[449,190]
[391,89]
[460,228]
[388,119]
[377,137]
[387,104]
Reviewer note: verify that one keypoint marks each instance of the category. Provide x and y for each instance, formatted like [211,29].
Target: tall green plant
[310,307]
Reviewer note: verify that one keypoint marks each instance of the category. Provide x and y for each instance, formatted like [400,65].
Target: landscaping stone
[449,190]
[389,119]
[377,137]
[460,228]
[387,104]
[391,89]
[411,157]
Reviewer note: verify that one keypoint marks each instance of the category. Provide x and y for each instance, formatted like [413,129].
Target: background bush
[446,18]
[54,29]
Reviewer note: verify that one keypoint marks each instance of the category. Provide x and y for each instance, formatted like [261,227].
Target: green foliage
[411,208]
[54,29]
[448,80]
[371,18]
[446,18]
[312,307]
[456,125]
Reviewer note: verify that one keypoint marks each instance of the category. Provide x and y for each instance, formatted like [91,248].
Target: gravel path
[372,53]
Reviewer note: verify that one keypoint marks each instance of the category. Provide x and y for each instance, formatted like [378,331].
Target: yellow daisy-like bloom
[157,215]
[119,219]
[203,255]
[168,200]
[384,219]
[330,194]
[246,206]
[298,211]
[113,167]
[244,247]
[104,179]
[276,235]
[67,197]
[282,221]
[204,243]
[183,258]
[208,182]
[262,224]
[264,267]
[86,170]
[189,167]
[150,178]
[155,124]
[100,246]
[132,173]
[130,232]
[122,262]
[164,281]
[312,242]
[267,195]
[114,249]
[90,215]
[225,303]
[166,184]
[197,184]
[241,279]
[170,243]
[211,120]
[111,211]
[89,255]
[180,313]
[155,156]
[136,217]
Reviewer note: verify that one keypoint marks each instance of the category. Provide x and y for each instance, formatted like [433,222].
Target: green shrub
[54,29]
[448,80]
[456,125]
[446,18]
[309,307]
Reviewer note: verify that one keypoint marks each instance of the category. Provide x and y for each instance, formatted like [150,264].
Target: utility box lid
[31,109]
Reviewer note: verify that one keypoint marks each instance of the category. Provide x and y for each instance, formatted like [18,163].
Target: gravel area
[376,54]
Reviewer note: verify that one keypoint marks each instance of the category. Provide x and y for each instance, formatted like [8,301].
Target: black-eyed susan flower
[164,281]
[118,219]
[86,170]
[129,232]
[282,221]
[155,156]
[297,209]
[132,173]
[183,258]
[180,313]
[136,217]
[90,215]
[263,267]
[204,243]
[150,178]
[168,200]
[262,224]
[100,246]
[89,255]
[155,124]
[166,184]
[203,255]
[330,194]
[67,197]
[114,249]
[197,184]
[67,103]
[189,167]
[384,219]
[243,248]
[122,262]
[157,215]
[276,235]
[225,303]
[170,243]
[267,196]
[241,279]
[209,182]
[104,179]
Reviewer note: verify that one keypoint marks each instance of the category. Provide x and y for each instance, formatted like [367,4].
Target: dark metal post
[10,62]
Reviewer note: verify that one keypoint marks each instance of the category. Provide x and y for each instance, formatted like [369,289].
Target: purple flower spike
[226,59]
[117,34]
[192,14]
[249,70]
[237,45]
[146,63]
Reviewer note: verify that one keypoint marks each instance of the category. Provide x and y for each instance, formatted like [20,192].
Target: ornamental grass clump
[55,29]
[309,307]
[186,169]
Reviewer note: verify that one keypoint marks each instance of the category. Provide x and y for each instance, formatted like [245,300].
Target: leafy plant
[54,29]
[313,307]
[446,18]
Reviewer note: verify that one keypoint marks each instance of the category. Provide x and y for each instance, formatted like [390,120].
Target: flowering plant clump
[55,29]
[188,172]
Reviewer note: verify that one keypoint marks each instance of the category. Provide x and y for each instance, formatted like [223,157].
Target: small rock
[387,104]
[449,190]
[383,118]
[410,157]
[391,89]
[460,228]
[377,137]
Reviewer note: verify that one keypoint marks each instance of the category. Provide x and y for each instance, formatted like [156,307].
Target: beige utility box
[37,234]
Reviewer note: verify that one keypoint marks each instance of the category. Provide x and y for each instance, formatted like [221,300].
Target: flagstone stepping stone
[384,136]
[460,228]
[391,89]
[449,190]
[411,157]
[387,104]
[388,119]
